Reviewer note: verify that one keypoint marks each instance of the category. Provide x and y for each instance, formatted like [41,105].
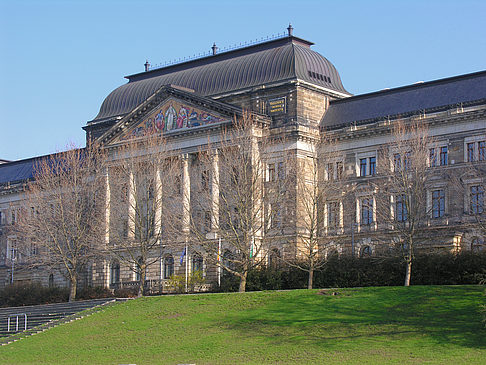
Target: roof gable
[170,111]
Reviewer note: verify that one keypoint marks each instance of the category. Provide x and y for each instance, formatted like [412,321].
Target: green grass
[392,325]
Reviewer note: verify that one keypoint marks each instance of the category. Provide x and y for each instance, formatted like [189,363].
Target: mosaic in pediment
[173,115]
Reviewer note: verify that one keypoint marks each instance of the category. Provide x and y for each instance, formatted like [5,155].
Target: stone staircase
[43,317]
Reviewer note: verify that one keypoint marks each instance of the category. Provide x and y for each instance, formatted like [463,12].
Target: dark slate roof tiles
[278,60]
[407,100]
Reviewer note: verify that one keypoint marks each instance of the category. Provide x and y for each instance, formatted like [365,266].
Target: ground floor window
[168,266]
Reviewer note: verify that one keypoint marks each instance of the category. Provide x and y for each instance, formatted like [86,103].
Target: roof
[407,100]
[18,171]
[283,59]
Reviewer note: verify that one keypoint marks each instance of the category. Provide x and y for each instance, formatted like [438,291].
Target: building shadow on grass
[441,315]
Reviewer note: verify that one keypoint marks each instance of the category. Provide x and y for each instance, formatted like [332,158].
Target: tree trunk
[408,269]
[72,289]
[311,277]
[242,288]
[141,283]
[408,272]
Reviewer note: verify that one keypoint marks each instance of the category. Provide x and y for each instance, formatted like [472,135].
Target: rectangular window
[1,218]
[271,172]
[477,199]
[281,171]
[470,152]
[482,151]
[330,171]
[339,170]
[363,163]
[207,221]
[438,203]
[333,218]
[372,165]
[367,211]
[443,156]
[401,208]
[335,170]
[397,162]
[432,157]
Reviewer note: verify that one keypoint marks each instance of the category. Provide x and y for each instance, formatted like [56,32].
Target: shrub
[15,295]
[93,293]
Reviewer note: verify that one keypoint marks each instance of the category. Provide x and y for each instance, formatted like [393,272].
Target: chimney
[214,48]
[147,65]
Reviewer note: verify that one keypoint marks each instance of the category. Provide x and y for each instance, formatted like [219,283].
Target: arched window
[366,251]
[168,266]
[274,258]
[51,280]
[114,272]
[197,262]
[477,244]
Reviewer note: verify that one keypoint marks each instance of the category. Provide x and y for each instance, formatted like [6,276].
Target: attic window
[319,76]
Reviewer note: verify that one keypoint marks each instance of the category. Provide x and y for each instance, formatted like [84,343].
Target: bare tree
[144,204]
[234,205]
[318,182]
[58,221]
[402,195]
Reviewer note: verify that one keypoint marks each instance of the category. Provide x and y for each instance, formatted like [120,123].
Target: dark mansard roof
[407,100]
[279,60]
[17,171]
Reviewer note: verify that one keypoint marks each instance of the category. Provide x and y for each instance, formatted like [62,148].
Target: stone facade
[306,107]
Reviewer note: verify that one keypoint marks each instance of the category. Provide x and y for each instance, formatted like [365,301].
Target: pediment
[169,111]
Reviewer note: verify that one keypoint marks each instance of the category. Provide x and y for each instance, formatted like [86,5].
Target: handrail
[17,321]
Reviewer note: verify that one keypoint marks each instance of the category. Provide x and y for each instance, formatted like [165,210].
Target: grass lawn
[392,325]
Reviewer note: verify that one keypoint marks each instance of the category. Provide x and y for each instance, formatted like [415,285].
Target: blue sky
[60,59]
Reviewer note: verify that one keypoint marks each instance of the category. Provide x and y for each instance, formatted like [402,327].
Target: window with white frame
[366,164]
[401,212]
[333,214]
[476,199]
[439,156]
[438,203]
[367,211]
[271,172]
[335,170]
[168,266]
[197,262]
[475,148]
[11,253]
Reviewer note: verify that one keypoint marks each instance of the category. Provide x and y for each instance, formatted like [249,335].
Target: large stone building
[296,94]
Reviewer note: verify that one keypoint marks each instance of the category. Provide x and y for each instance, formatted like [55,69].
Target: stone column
[107,207]
[131,206]
[186,194]
[158,204]
[214,192]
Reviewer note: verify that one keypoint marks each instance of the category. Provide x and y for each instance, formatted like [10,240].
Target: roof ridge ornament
[214,48]
[290,29]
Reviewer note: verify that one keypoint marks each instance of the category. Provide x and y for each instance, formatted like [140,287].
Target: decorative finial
[214,48]
[147,65]
[290,30]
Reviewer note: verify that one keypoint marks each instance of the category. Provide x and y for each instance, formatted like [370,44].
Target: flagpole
[219,261]
[187,262]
